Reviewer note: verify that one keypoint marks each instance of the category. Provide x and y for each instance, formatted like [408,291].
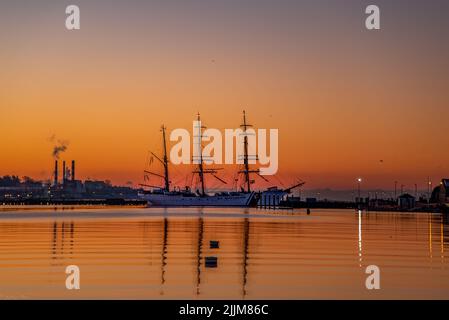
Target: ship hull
[164,200]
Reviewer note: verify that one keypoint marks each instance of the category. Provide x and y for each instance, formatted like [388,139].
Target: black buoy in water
[211,262]
[214,244]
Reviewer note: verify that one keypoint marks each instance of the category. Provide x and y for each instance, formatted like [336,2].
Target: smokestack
[63,172]
[73,170]
[56,172]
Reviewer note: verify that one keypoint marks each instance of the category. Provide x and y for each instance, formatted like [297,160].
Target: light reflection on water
[160,253]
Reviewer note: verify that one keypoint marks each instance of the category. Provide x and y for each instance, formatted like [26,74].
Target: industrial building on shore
[64,188]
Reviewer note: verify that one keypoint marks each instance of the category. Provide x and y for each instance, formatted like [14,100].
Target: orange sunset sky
[342,97]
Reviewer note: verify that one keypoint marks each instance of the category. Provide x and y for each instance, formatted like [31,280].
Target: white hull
[180,200]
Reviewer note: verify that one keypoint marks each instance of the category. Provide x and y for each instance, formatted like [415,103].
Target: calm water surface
[137,253]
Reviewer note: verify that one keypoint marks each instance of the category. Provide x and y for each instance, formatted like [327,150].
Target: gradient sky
[343,97]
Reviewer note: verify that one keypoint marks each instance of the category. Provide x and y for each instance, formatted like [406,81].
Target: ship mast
[201,171]
[200,150]
[165,160]
[246,171]
[245,155]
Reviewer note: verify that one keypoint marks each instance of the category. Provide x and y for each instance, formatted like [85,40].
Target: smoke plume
[60,146]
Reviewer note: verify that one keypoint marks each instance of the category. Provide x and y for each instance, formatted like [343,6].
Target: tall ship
[167,196]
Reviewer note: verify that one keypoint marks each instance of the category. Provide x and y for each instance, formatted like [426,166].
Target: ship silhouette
[167,196]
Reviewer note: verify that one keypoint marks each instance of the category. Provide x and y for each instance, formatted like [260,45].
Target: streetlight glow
[359,180]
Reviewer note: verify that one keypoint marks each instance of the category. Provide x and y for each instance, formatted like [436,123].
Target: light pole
[359,180]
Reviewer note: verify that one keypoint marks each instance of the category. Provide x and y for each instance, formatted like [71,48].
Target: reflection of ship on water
[172,197]
[163,237]
[201,256]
